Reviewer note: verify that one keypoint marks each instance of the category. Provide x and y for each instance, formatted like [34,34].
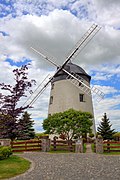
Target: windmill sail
[71,77]
[38,91]
[82,43]
[78,81]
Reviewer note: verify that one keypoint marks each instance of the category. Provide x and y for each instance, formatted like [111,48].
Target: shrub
[91,135]
[41,135]
[116,136]
[5,152]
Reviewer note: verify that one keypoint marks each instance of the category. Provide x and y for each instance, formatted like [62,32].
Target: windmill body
[65,95]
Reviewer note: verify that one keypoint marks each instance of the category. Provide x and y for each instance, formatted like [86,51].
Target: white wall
[66,96]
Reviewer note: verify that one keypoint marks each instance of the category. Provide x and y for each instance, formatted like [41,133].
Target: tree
[7,127]
[69,124]
[25,126]
[10,98]
[104,129]
[116,136]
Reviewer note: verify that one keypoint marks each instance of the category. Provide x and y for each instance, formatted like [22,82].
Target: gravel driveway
[71,166]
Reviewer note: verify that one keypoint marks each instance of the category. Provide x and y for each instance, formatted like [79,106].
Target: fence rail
[111,146]
[62,145]
[29,145]
[46,145]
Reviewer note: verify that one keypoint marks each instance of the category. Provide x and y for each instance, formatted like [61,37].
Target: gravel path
[88,148]
[71,166]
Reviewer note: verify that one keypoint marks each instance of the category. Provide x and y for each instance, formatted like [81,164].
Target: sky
[55,26]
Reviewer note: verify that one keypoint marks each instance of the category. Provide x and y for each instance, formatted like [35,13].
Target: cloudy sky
[55,26]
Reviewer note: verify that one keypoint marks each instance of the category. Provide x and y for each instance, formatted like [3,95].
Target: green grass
[65,151]
[84,148]
[13,166]
[61,149]
[93,147]
[111,153]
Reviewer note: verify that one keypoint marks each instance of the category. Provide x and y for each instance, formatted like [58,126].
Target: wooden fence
[44,145]
[62,145]
[29,145]
[111,146]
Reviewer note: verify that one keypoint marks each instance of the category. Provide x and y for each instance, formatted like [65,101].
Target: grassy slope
[13,166]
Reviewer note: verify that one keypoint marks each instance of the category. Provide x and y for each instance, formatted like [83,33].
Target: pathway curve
[71,166]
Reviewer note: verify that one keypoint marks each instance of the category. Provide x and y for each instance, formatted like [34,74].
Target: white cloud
[108,105]
[107,89]
[57,33]
[6,72]
[108,12]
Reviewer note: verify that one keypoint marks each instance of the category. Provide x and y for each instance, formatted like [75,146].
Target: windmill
[70,85]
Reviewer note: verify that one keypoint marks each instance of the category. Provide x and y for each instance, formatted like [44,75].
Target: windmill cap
[72,68]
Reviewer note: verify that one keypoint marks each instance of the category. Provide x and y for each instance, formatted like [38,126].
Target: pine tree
[25,127]
[104,128]
[7,127]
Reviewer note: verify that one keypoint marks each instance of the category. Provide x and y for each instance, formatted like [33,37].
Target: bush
[5,152]
[41,135]
[116,136]
[91,135]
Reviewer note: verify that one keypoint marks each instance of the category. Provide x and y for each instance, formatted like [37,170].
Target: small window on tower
[81,97]
[51,99]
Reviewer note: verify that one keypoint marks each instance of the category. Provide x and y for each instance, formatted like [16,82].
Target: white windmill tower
[70,85]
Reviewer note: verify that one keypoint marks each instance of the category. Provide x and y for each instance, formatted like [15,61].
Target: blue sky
[55,26]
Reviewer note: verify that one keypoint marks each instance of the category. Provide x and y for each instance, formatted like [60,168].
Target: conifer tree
[25,127]
[7,127]
[104,129]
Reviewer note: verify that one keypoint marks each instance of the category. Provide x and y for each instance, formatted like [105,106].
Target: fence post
[11,144]
[54,143]
[79,146]
[108,146]
[45,143]
[25,145]
[5,142]
[70,148]
[99,145]
[95,146]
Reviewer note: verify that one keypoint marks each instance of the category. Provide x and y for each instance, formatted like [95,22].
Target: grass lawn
[111,153]
[13,166]
[93,147]
[84,148]
[60,149]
